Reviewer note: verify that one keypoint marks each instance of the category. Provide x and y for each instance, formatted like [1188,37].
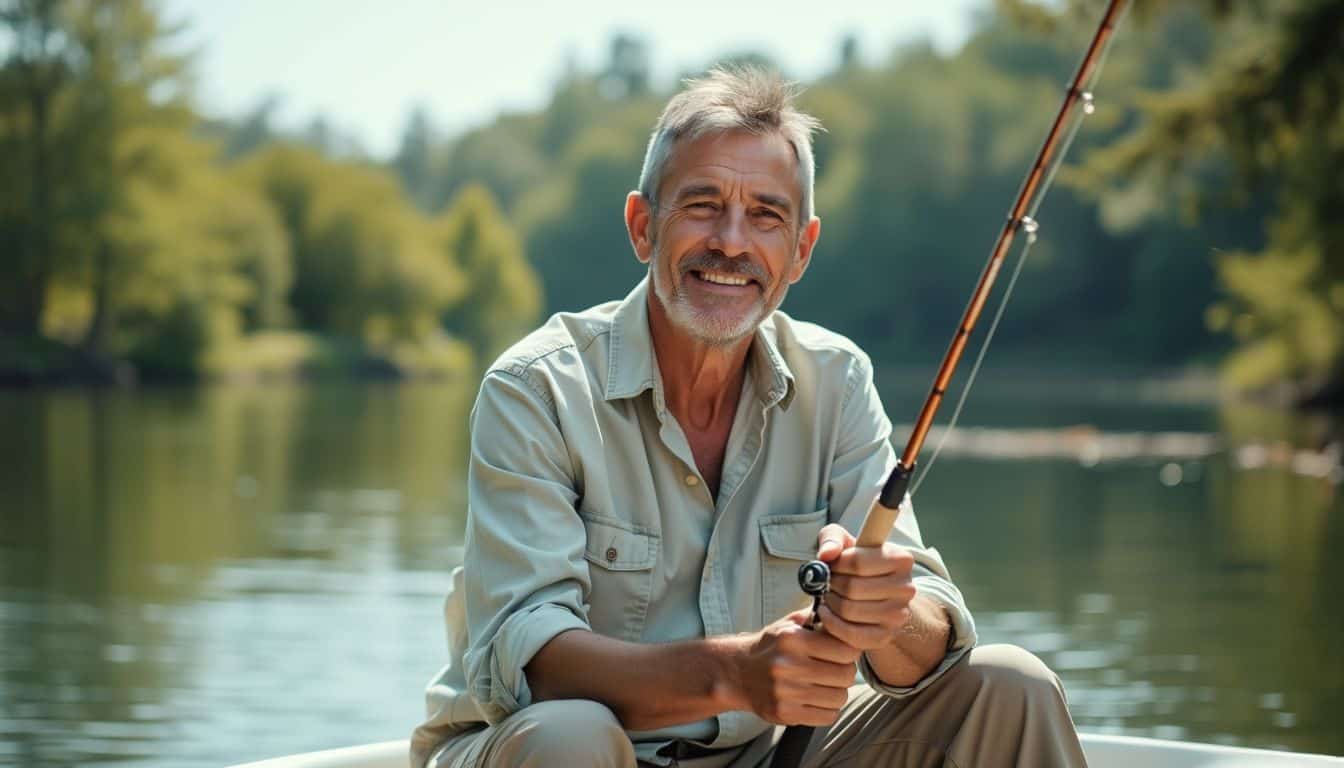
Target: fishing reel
[814,577]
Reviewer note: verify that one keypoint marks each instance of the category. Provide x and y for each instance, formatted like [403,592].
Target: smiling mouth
[722,278]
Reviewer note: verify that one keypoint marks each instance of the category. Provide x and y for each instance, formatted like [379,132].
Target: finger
[826,649]
[827,696]
[831,541]
[813,716]
[800,679]
[827,673]
[890,587]
[864,637]
[890,558]
[884,612]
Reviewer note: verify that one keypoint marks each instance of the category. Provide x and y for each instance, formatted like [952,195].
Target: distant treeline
[134,232]
[1197,222]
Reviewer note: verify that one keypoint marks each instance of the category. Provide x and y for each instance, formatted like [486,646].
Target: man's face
[724,243]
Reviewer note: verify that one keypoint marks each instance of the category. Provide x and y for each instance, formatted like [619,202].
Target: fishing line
[1029,225]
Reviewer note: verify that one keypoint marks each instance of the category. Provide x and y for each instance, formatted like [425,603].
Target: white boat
[1102,752]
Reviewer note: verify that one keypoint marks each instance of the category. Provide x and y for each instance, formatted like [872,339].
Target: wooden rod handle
[877,525]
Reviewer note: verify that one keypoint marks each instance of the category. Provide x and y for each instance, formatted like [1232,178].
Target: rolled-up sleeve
[864,457]
[525,578]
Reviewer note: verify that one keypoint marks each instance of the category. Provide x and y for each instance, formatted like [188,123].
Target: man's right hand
[790,675]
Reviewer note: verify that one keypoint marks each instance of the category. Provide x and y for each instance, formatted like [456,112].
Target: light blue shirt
[586,510]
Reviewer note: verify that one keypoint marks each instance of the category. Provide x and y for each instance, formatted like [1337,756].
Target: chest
[708,447]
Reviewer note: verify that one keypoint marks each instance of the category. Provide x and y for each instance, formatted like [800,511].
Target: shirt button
[692,480]
[611,554]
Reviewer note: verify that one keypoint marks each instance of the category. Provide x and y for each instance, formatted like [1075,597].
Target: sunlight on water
[199,577]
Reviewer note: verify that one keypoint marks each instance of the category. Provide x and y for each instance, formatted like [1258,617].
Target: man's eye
[703,206]
[766,213]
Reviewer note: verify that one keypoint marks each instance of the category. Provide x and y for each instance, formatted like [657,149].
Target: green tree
[366,262]
[202,258]
[627,72]
[36,68]
[506,156]
[573,225]
[128,96]
[1259,129]
[85,85]
[505,298]
[414,162]
[253,131]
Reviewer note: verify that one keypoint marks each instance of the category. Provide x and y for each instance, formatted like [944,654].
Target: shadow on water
[205,576]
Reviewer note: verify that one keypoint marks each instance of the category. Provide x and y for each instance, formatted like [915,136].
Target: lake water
[198,577]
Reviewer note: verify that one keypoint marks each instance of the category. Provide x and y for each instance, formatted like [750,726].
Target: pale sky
[364,64]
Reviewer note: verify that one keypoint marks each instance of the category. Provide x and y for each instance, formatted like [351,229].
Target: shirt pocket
[788,541]
[621,557]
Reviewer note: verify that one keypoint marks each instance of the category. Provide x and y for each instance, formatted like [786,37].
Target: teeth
[722,279]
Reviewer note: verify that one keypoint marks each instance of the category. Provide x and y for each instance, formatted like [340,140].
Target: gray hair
[744,98]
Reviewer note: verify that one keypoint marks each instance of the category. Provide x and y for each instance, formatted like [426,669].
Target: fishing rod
[814,576]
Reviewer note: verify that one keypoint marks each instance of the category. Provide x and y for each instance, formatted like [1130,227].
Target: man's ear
[807,240]
[639,222]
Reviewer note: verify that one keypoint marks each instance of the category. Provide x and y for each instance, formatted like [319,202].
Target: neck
[701,382]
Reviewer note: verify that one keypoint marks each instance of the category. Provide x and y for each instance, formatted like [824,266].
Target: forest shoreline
[41,363]
[288,357]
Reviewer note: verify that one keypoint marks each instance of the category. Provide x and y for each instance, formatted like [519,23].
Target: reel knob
[814,577]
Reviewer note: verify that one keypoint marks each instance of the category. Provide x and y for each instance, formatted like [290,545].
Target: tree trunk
[100,327]
[37,267]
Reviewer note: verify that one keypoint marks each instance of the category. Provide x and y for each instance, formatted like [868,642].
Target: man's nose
[731,235]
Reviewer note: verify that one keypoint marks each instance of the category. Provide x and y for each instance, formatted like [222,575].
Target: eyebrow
[774,200]
[699,190]
[703,190]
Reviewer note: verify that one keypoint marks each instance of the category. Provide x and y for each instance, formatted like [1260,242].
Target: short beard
[707,327]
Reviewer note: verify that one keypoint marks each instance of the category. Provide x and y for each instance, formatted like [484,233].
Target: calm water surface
[206,576]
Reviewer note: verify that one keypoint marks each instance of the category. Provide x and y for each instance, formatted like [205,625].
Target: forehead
[759,161]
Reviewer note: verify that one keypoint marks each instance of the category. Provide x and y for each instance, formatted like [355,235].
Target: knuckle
[837,603]
[895,551]
[896,610]
[835,627]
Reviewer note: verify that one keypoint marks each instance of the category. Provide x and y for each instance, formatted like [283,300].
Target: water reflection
[191,575]
[1204,610]
[197,577]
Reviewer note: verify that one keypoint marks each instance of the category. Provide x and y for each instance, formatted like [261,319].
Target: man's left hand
[868,604]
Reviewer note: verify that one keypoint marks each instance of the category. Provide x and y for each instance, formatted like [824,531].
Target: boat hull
[1102,752]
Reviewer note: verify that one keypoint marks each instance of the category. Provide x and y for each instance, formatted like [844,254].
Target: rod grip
[882,517]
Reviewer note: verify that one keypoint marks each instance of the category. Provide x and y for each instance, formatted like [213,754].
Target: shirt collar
[632,366]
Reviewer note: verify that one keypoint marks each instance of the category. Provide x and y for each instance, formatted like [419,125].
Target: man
[647,476]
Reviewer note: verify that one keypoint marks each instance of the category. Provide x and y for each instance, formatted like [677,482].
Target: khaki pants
[1000,706]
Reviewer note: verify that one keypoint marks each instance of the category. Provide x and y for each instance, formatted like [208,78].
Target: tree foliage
[505,293]
[1259,129]
[1205,154]
[365,261]
[1197,222]
[137,230]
